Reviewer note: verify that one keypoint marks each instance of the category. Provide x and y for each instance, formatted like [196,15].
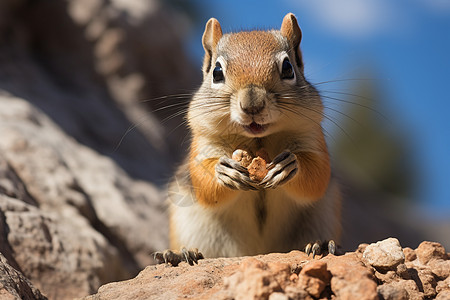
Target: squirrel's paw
[174,257]
[231,174]
[318,247]
[283,167]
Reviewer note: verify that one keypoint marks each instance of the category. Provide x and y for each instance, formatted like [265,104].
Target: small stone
[443,285]
[410,254]
[430,250]
[392,291]
[314,277]
[361,248]
[318,269]
[297,293]
[445,295]
[384,255]
[257,280]
[428,283]
[278,296]
[386,277]
[412,289]
[350,278]
[440,268]
[402,271]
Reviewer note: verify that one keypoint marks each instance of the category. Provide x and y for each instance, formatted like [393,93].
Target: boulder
[291,275]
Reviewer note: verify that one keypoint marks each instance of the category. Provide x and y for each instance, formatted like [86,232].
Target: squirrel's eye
[287,71]
[218,73]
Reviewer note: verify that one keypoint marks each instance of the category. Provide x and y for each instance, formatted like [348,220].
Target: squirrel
[254,95]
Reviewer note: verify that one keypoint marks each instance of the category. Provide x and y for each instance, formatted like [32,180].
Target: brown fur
[312,180]
[245,68]
[208,191]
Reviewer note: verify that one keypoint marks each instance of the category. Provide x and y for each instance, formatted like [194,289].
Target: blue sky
[406,41]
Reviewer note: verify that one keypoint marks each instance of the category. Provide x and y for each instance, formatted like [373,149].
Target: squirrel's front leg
[215,180]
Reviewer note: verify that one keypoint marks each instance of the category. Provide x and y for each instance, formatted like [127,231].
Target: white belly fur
[234,230]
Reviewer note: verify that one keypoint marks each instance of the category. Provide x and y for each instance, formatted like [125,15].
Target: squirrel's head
[253,83]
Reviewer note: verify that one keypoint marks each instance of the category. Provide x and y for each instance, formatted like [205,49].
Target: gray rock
[73,219]
[392,291]
[384,255]
[13,285]
[75,212]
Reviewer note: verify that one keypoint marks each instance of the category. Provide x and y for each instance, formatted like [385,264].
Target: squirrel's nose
[252,109]
[252,100]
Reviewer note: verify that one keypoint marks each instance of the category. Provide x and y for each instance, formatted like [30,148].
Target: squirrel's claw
[174,257]
[331,247]
[231,174]
[283,168]
[317,248]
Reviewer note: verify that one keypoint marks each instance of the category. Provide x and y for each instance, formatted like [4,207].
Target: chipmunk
[254,95]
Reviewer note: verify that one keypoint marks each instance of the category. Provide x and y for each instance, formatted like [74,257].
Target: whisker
[329,118]
[342,80]
[358,104]
[166,97]
[347,94]
[344,114]
[324,115]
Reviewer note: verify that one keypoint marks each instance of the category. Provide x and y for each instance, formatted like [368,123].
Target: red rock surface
[422,274]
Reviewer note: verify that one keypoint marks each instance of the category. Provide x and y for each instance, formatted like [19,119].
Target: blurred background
[116,75]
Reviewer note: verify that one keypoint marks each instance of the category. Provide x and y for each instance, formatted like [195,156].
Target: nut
[257,169]
[242,157]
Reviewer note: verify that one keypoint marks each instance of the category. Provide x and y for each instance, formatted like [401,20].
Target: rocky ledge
[383,270]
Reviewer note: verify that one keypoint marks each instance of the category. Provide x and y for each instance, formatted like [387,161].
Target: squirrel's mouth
[255,128]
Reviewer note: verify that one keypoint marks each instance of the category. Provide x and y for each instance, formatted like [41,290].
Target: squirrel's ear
[211,36]
[291,30]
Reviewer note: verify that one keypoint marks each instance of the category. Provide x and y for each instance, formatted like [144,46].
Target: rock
[402,271]
[392,291]
[440,268]
[259,277]
[75,219]
[443,286]
[256,280]
[282,276]
[278,296]
[62,257]
[445,295]
[361,248]
[384,255]
[13,285]
[355,284]
[314,277]
[71,216]
[388,276]
[426,283]
[413,291]
[410,254]
[430,250]
[90,67]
